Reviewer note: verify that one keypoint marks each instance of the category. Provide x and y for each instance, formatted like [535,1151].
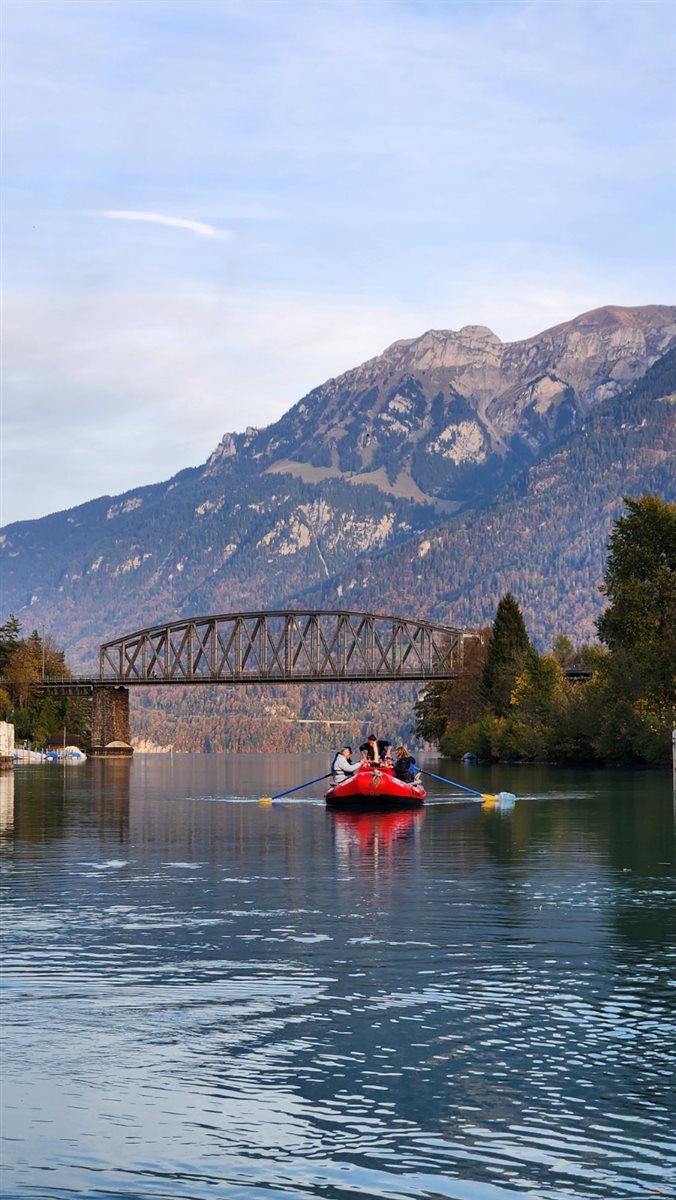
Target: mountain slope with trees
[522,705]
[544,537]
[378,461]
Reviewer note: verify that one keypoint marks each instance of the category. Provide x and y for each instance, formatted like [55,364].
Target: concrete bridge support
[111,736]
[6,745]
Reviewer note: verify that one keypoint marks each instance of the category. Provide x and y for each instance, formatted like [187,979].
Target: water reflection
[375,837]
[209,998]
[6,801]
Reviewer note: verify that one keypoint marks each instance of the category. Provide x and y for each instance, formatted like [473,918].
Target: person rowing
[342,766]
[372,748]
[404,766]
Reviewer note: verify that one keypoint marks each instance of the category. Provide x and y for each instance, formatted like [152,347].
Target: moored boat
[375,787]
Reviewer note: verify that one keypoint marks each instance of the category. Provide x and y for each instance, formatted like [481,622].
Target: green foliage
[453,703]
[639,627]
[9,640]
[640,582]
[538,701]
[482,737]
[509,653]
[530,710]
[38,719]
[432,712]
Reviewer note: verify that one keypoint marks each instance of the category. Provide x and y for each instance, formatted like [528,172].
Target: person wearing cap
[342,766]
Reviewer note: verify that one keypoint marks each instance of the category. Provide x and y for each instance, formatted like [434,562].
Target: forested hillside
[545,537]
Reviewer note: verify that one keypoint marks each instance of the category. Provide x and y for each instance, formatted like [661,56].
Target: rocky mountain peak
[442,416]
[473,345]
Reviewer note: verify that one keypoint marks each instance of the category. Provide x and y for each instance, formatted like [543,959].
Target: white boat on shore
[64,754]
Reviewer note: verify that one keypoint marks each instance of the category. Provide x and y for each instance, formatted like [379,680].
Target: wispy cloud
[374,170]
[198,227]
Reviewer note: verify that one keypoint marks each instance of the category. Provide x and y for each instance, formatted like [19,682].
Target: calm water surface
[207,997]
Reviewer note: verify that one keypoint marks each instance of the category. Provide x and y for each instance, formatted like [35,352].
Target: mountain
[544,538]
[443,419]
[428,454]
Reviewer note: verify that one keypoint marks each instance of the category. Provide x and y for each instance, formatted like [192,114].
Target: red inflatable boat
[375,787]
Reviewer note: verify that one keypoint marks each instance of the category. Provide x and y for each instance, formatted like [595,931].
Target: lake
[207,997]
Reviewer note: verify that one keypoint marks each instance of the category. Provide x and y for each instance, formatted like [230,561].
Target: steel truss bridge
[283,647]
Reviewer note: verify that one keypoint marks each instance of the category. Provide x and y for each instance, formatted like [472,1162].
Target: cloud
[385,169]
[197,227]
[109,390]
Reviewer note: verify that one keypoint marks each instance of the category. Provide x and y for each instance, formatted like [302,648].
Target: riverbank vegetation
[608,702]
[38,718]
[613,702]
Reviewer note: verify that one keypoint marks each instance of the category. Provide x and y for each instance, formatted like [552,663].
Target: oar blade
[503,799]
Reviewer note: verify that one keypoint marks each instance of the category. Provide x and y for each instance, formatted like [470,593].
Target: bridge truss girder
[284,647]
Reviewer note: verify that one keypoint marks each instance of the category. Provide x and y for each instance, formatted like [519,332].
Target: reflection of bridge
[264,647]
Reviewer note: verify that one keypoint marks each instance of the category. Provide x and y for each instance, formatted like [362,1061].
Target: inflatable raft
[375,787]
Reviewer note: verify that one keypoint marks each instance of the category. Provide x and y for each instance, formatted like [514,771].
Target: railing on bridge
[284,647]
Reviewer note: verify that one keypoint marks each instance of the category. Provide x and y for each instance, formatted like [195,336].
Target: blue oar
[485,796]
[269,799]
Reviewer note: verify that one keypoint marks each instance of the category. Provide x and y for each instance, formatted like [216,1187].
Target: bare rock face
[226,448]
[451,409]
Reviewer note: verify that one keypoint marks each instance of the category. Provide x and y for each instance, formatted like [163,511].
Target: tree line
[41,719]
[606,702]
[612,702]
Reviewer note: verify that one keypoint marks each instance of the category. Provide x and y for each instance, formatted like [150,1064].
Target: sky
[209,208]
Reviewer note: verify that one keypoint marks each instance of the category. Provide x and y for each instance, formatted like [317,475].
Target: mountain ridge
[464,400]
[252,527]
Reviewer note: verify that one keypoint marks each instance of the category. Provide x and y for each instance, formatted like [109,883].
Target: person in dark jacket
[404,766]
[372,743]
[385,752]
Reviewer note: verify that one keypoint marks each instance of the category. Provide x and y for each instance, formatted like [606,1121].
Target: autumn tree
[37,717]
[539,702]
[452,703]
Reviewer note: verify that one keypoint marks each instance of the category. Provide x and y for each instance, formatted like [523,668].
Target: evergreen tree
[9,639]
[509,652]
[639,628]
[640,581]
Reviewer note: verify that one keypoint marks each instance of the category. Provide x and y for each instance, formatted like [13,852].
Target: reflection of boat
[371,829]
[375,787]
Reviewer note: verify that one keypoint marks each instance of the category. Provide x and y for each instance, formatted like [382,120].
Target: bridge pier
[111,734]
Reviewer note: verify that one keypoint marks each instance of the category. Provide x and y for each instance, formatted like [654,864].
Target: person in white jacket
[342,765]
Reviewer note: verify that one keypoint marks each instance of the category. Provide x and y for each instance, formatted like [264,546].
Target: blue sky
[210,208]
